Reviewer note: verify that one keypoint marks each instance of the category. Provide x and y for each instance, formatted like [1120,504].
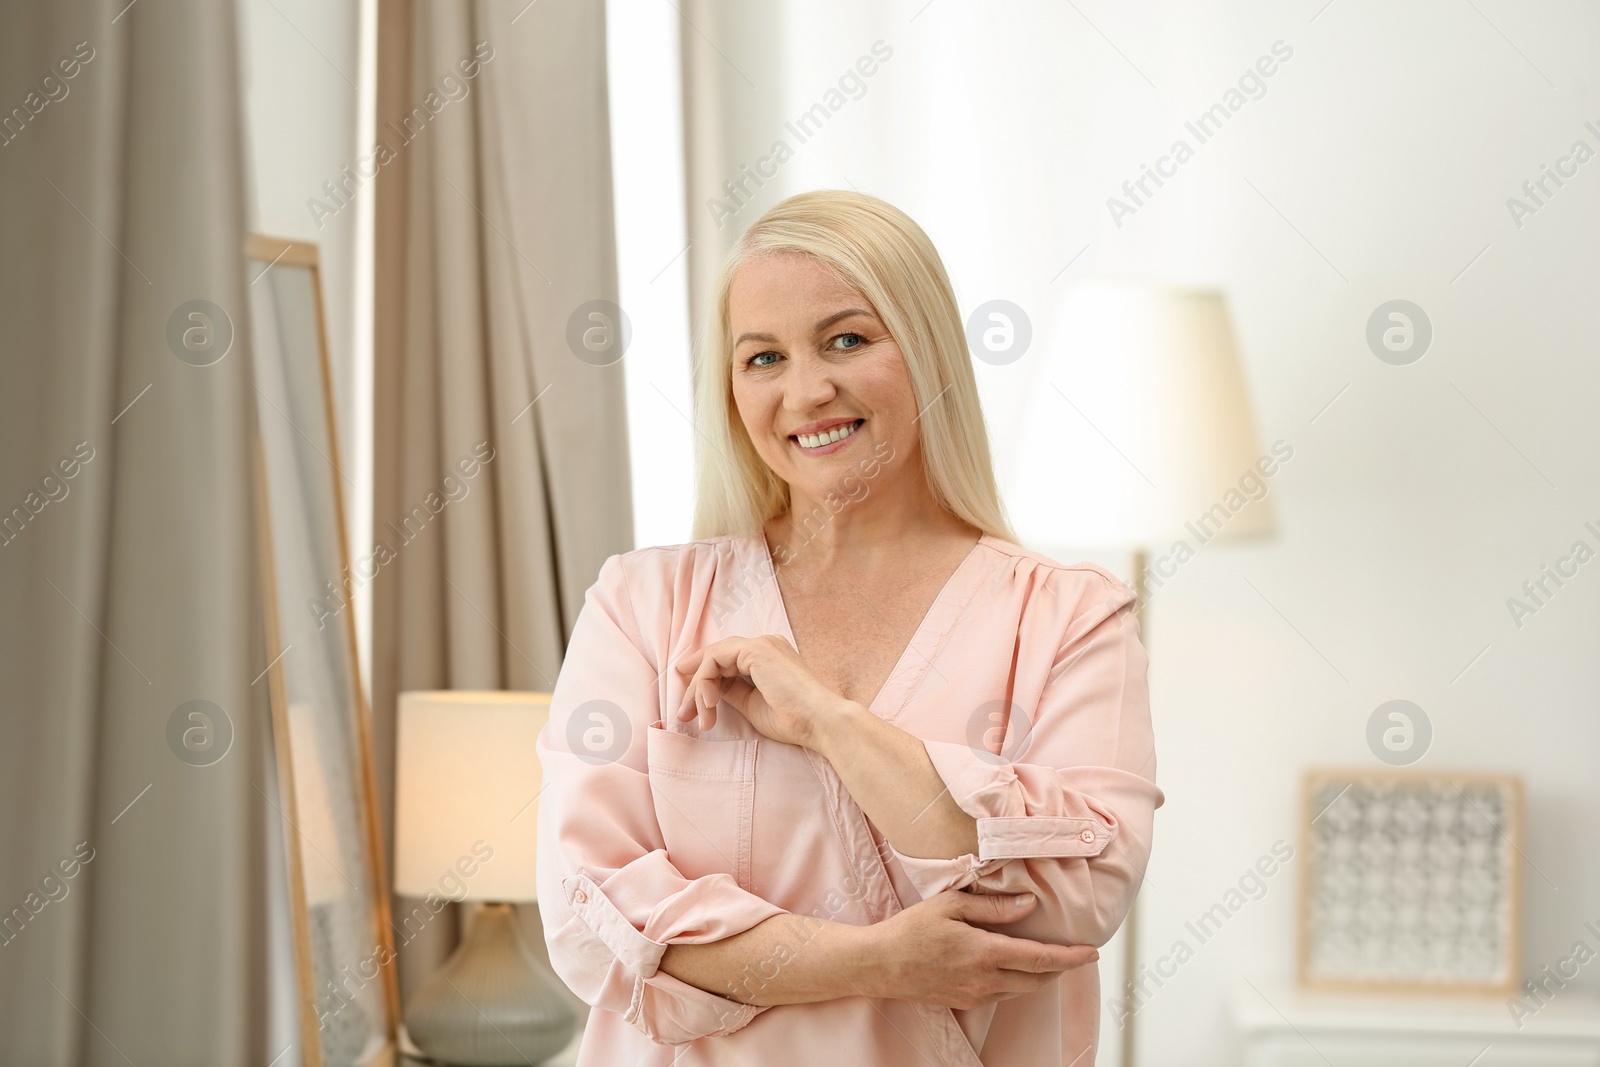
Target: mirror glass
[340,908]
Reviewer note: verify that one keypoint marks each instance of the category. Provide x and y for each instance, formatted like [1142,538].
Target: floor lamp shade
[1138,435]
[1139,425]
[467,775]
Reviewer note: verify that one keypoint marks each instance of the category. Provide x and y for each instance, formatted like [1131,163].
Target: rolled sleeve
[609,895]
[1069,817]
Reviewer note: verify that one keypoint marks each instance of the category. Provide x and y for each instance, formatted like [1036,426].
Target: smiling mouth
[819,442]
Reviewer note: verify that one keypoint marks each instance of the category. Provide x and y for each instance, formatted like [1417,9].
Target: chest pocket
[814,852]
[704,793]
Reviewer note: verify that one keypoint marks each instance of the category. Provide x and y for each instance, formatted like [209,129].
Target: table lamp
[1146,379]
[465,829]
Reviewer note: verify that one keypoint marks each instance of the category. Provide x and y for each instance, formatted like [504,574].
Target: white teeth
[838,433]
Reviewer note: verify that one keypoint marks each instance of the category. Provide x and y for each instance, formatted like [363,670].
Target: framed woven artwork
[1411,881]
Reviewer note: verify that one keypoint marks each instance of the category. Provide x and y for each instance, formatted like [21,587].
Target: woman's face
[810,350]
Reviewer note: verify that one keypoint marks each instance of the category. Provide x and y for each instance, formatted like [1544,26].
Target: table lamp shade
[467,774]
[1139,429]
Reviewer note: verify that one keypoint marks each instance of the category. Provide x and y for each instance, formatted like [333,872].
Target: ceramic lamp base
[492,1003]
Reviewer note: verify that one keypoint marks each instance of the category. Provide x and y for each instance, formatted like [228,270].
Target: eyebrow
[818,328]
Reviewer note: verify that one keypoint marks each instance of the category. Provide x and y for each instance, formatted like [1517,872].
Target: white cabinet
[1281,1027]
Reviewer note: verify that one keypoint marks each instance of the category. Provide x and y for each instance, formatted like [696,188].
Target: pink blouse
[1026,682]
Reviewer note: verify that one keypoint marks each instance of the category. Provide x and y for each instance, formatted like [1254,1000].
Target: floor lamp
[1138,436]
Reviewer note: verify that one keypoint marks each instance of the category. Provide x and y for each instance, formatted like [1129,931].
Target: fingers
[700,702]
[717,672]
[710,694]
[714,671]
[991,907]
[1019,968]
[694,665]
[688,664]
[704,689]
[1036,957]
[1017,953]
[694,697]
[687,709]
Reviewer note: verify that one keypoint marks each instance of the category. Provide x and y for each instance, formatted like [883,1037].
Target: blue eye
[860,340]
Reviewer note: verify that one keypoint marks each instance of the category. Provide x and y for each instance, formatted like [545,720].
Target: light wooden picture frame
[321,723]
[1410,882]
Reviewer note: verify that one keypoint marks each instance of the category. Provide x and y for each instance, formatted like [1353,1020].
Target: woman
[853,777]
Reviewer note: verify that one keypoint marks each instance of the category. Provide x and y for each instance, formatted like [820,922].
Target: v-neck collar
[926,640]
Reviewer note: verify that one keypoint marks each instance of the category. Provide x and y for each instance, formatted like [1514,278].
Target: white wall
[1376,165]
[304,62]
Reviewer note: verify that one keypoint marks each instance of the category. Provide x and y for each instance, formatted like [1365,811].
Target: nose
[809,385]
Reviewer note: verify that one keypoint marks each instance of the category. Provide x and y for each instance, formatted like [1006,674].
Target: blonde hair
[881,252]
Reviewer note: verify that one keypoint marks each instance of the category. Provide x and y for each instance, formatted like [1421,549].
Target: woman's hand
[931,953]
[784,703]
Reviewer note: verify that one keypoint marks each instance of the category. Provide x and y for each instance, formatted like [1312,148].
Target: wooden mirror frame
[276,252]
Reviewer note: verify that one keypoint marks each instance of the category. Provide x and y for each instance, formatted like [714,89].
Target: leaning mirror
[344,954]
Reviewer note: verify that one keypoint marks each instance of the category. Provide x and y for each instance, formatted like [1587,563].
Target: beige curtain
[135,893]
[494,224]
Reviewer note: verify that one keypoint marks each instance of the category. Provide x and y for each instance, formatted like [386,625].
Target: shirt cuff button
[1088,836]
